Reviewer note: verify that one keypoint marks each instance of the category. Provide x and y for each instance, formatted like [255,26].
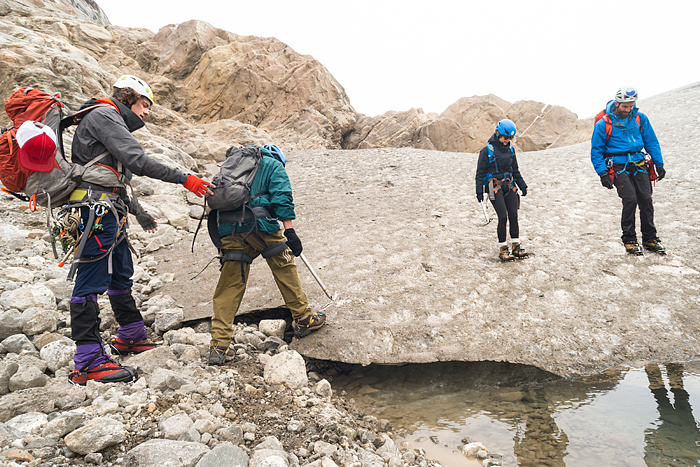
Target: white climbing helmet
[138,85]
[626,94]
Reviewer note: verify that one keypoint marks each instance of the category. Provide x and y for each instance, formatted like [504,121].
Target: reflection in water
[541,440]
[674,438]
[534,418]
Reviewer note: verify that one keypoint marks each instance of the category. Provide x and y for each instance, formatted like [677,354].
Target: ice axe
[486,216]
[318,279]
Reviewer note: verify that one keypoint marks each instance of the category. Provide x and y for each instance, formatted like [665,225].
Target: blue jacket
[625,140]
[272,185]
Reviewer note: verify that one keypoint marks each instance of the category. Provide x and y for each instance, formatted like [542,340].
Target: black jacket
[504,158]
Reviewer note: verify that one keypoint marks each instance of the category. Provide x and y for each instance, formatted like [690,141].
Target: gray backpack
[234,180]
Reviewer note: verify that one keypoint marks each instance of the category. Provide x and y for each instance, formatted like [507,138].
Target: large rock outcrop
[215,88]
[466,125]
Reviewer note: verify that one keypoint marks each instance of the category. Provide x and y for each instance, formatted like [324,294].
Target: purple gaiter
[84,353]
[132,332]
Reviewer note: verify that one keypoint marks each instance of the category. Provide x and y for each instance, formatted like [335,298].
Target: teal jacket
[272,185]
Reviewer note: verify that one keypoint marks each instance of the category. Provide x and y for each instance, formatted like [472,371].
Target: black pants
[635,190]
[506,206]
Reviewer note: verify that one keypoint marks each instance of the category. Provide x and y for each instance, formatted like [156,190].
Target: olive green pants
[230,289]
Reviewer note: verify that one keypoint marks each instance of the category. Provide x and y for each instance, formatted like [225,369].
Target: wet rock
[287,368]
[96,435]
[471,449]
[162,452]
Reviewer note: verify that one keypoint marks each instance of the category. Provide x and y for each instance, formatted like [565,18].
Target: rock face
[466,125]
[215,89]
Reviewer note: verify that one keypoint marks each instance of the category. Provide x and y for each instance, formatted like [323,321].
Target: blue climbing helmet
[506,127]
[276,153]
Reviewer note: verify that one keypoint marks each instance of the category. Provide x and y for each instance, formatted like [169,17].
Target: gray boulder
[269,453]
[64,423]
[287,368]
[96,435]
[17,343]
[29,296]
[37,321]
[58,354]
[27,377]
[7,369]
[10,323]
[175,426]
[165,453]
[224,454]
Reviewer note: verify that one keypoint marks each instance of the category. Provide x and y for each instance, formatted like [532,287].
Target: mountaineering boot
[307,324]
[108,372]
[505,255]
[519,252]
[219,354]
[121,347]
[95,365]
[633,248]
[655,246]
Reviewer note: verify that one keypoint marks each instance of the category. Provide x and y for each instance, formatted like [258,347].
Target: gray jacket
[105,129]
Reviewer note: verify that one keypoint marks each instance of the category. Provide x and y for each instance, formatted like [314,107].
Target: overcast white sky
[394,55]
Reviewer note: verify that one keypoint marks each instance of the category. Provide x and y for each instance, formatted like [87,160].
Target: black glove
[606,181]
[480,197]
[661,172]
[524,190]
[293,242]
[146,221]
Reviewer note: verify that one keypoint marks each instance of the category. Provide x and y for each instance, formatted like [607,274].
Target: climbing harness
[72,231]
[493,183]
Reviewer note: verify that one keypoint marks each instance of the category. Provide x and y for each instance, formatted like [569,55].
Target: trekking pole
[483,207]
[313,273]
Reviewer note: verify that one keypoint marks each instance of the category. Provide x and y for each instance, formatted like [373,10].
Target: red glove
[196,185]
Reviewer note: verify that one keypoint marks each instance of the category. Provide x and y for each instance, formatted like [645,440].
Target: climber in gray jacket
[105,263]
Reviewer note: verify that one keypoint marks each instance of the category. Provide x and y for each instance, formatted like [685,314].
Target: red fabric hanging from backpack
[24,104]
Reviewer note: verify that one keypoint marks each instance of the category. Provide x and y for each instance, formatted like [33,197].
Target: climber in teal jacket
[241,243]
[271,190]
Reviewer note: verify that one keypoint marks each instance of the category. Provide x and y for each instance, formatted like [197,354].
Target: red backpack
[45,188]
[608,122]
[25,104]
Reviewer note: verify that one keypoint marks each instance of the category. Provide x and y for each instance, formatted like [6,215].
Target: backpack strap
[609,125]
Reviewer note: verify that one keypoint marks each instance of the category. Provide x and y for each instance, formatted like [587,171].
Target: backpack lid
[37,146]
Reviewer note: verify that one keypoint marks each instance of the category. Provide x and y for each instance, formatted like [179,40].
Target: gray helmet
[626,94]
